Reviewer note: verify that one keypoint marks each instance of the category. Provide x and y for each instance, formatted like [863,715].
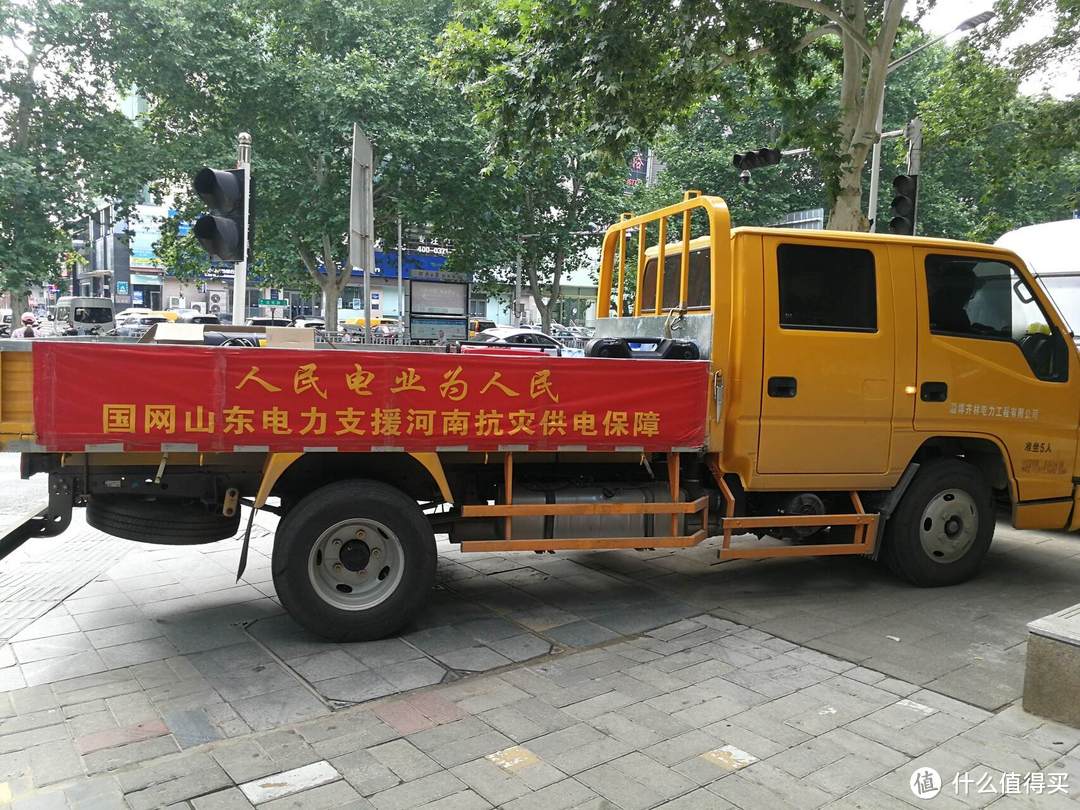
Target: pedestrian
[27,330]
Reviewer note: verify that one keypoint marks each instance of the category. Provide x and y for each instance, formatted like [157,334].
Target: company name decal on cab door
[996,411]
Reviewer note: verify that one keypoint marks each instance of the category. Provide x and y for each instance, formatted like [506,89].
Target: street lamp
[875,161]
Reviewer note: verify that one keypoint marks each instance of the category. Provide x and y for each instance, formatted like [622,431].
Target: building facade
[121,264]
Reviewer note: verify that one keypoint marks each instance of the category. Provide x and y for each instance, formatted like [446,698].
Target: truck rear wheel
[942,528]
[354,560]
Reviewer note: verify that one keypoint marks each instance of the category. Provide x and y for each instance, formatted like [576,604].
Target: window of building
[697,296]
[828,288]
[477,307]
[980,298]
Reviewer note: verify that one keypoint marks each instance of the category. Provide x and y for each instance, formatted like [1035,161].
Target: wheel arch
[420,475]
[985,453]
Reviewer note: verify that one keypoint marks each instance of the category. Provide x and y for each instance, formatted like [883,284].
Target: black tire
[299,533]
[177,522]
[946,495]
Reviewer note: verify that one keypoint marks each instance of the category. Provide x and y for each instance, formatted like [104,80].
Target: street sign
[272,302]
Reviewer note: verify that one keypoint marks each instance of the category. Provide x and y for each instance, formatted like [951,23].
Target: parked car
[265,321]
[562,333]
[194,316]
[124,314]
[138,325]
[478,325]
[514,336]
[309,323]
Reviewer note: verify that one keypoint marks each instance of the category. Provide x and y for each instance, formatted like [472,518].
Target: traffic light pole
[243,161]
[913,133]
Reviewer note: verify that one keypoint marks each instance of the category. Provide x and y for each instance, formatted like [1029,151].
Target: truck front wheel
[943,525]
[354,560]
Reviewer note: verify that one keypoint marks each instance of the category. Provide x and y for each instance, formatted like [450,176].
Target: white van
[1052,253]
[85,315]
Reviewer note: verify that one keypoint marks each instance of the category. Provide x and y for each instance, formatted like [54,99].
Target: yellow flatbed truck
[784,392]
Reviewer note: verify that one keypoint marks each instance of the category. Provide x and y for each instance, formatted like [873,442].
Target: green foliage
[62,142]
[993,159]
[620,73]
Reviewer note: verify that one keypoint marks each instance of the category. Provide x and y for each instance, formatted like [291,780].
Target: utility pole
[362,219]
[243,161]
[517,285]
[875,154]
[400,285]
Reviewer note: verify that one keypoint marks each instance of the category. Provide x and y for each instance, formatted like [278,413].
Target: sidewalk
[625,680]
[702,712]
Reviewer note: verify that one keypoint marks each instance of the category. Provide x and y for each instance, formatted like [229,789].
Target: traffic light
[906,190]
[221,232]
[756,159]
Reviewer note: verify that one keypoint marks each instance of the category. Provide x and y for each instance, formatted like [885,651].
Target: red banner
[147,397]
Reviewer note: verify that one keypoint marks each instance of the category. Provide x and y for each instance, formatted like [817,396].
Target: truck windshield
[1064,290]
[93,314]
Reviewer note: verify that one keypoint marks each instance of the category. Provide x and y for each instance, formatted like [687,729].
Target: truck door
[992,362]
[826,399]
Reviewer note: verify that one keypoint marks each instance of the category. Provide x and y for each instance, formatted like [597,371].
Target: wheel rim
[356,564]
[949,525]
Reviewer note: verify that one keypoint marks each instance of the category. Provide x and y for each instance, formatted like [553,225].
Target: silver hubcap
[949,525]
[356,564]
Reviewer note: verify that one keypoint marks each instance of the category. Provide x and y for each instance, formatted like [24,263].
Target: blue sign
[414,264]
[121,288]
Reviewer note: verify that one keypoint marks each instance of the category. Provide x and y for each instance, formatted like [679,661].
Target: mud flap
[247,540]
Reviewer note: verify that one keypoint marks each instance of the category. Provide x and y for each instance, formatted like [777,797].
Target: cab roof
[840,236]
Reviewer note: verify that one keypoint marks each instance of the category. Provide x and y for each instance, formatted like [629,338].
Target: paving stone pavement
[619,679]
[698,713]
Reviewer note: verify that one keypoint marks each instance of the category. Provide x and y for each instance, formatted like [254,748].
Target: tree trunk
[545,315]
[327,285]
[336,281]
[331,283]
[865,70]
[330,310]
[20,303]
[846,213]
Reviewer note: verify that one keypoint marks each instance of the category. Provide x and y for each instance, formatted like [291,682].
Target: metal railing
[617,242]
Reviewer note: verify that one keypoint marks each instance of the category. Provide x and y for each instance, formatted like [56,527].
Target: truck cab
[844,361]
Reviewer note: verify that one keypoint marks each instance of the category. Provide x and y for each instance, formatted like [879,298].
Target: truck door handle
[783,387]
[934,392]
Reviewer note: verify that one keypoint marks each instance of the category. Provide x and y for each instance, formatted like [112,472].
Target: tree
[63,142]
[620,71]
[993,159]
[296,75]
[564,203]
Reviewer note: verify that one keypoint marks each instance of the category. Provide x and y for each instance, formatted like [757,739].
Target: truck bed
[88,397]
